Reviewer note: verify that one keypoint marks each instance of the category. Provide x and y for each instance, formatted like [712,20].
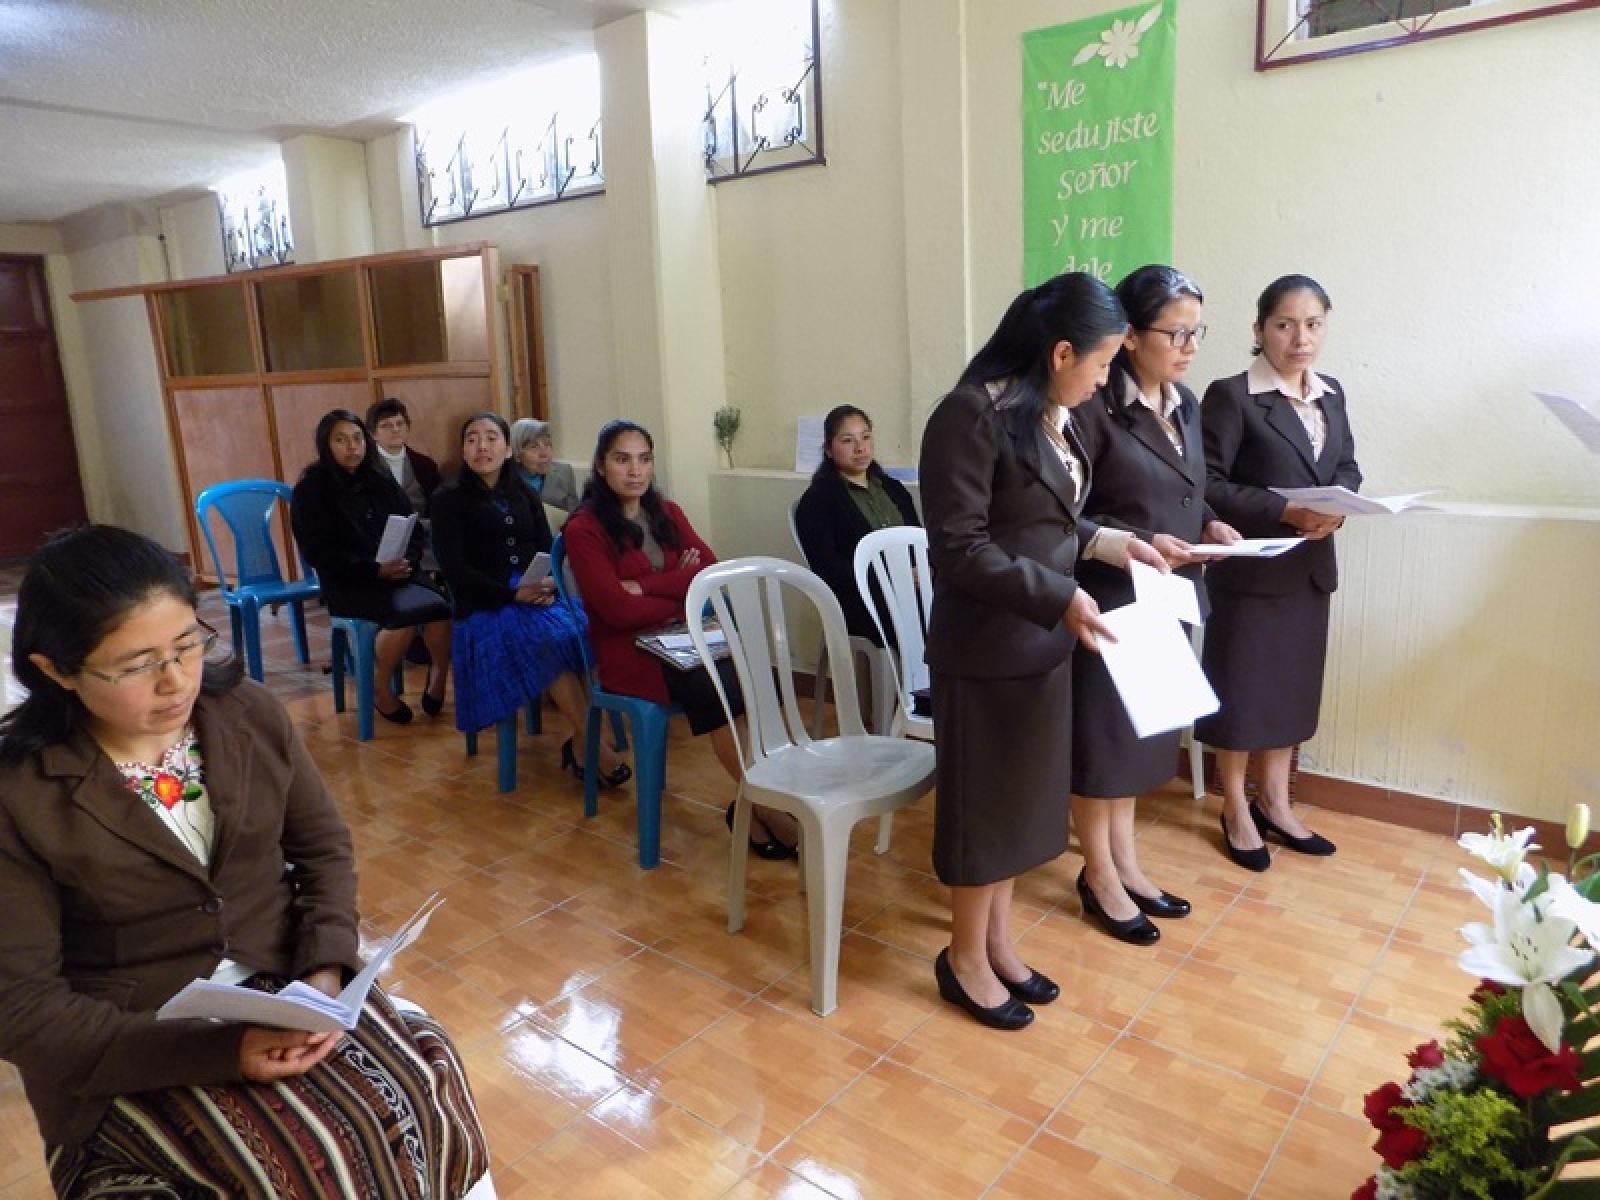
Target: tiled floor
[622,1044]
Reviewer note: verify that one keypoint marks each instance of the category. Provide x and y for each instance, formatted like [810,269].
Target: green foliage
[1479,1021]
[1474,1139]
[726,424]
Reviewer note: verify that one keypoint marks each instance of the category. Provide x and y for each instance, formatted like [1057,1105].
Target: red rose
[1367,1191]
[1380,1104]
[1513,1055]
[1486,989]
[1426,1055]
[1400,1145]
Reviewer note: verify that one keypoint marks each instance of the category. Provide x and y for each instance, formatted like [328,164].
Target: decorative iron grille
[764,99]
[254,215]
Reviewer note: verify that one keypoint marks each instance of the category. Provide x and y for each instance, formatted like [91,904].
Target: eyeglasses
[186,655]
[1181,337]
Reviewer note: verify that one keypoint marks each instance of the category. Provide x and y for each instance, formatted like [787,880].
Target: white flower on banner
[1119,45]
[1502,851]
[1525,950]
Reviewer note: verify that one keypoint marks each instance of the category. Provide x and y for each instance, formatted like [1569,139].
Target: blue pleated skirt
[505,658]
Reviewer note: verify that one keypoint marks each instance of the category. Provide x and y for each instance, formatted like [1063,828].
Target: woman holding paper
[1141,433]
[513,642]
[150,800]
[1004,481]
[339,511]
[1279,424]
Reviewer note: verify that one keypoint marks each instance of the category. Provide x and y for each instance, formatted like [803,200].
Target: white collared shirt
[1263,377]
[1164,411]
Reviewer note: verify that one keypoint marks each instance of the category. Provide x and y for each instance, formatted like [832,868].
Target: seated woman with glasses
[150,800]
[338,512]
[1141,434]
[512,640]
[534,452]
[389,424]
[634,554]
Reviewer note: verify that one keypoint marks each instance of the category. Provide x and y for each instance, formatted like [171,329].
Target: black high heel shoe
[1009,1014]
[1136,931]
[1035,989]
[400,714]
[1312,844]
[1163,905]
[1258,859]
[772,849]
[433,707]
[569,762]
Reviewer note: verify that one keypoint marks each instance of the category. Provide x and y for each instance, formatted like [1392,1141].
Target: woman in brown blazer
[1003,482]
[149,803]
[1142,436]
[1279,424]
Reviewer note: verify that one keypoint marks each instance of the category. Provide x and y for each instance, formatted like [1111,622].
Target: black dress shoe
[1009,1014]
[432,705]
[1313,844]
[772,849]
[569,762]
[1035,989]
[1258,859]
[1136,931]
[1164,905]
[400,714]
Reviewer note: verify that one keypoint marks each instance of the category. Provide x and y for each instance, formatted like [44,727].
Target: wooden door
[39,486]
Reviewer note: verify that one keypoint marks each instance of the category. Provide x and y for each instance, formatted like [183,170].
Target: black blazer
[1002,542]
[483,537]
[338,519]
[829,526]
[1254,441]
[1141,483]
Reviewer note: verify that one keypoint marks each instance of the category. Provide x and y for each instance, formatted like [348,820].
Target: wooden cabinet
[250,362]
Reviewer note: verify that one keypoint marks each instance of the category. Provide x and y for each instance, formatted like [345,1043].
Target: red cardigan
[616,616]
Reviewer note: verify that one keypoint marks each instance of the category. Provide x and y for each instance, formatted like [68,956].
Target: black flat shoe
[400,714]
[1035,989]
[1164,905]
[569,762]
[1136,931]
[433,707]
[1258,859]
[1010,1014]
[1314,844]
[772,849]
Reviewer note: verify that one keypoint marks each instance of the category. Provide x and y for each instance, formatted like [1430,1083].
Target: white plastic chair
[880,668]
[826,784]
[896,560]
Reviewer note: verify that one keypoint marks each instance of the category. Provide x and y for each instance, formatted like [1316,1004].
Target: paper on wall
[807,444]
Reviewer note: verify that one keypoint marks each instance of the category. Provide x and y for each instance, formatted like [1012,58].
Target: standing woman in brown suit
[1142,434]
[1279,424]
[1003,482]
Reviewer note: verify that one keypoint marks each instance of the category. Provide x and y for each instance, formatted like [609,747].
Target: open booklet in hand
[299,1005]
[1338,501]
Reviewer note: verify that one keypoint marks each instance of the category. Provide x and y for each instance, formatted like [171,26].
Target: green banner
[1097,143]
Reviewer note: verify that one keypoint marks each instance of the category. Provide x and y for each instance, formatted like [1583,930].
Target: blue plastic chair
[354,652]
[648,721]
[249,506]
[505,743]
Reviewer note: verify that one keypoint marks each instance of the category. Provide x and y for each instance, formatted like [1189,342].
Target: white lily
[1502,851]
[1487,889]
[1527,951]
[1566,902]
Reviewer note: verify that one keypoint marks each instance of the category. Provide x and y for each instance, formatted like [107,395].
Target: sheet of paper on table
[1579,415]
[1154,669]
[1246,548]
[1172,594]
[1342,502]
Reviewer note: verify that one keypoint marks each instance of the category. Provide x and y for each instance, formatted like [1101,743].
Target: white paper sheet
[807,444]
[682,641]
[1581,416]
[1342,502]
[1154,669]
[396,537]
[298,1006]
[1172,594]
[538,570]
[1246,548]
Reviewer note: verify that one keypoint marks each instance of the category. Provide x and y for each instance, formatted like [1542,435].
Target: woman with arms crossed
[1279,424]
[1004,479]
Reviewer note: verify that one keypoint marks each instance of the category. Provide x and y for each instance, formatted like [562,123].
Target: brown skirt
[387,1116]
[1264,657]
[1004,774]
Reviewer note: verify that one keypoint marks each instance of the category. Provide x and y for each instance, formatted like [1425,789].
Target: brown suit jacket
[107,915]
[1002,542]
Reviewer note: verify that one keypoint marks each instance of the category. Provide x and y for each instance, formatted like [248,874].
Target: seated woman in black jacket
[338,512]
[512,641]
[849,497]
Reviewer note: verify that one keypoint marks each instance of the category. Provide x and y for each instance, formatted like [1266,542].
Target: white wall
[192,231]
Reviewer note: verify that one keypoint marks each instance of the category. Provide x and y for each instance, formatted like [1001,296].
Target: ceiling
[130,100]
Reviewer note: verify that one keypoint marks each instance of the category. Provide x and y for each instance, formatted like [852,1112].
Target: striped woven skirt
[504,658]
[387,1115]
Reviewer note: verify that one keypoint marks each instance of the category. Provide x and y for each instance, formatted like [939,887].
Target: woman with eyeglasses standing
[150,800]
[1142,435]
[1278,424]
